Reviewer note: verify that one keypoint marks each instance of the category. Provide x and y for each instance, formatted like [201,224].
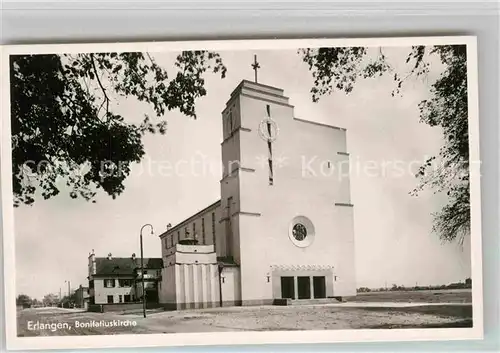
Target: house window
[109,283]
[178,236]
[126,298]
[166,243]
[110,299]
[186,233]
[120,298]
[145,272]
[203,231]
[194,229]
[125,282]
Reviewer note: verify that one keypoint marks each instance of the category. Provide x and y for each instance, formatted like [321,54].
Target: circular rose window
[301,231]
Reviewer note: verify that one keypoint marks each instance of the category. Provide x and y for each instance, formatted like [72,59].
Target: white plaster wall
[191,276]
[197,283]
[233,105]
[101,293]
[189,254]
[229,188]
[231,289]
[167,293]
[297,190]
[231,153]
[198,249]
[219,233]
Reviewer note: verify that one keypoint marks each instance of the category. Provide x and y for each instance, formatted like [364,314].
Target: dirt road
[55,321]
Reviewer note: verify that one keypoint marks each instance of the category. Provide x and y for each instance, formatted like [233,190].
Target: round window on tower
[301,231]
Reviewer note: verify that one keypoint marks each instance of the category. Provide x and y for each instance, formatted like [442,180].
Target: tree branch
[151,59]
[106,98]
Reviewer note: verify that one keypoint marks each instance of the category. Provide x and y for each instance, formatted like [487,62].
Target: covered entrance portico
[303,287]
[305,282]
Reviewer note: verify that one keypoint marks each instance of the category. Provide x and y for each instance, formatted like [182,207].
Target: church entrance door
[287,288]
[319,287]
[304,287]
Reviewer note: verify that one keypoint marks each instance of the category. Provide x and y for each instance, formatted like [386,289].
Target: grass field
[450,309]
[424,296]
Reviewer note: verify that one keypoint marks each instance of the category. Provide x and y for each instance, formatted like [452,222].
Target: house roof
[124,265]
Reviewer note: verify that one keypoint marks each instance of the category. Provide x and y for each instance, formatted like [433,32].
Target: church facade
[283,227]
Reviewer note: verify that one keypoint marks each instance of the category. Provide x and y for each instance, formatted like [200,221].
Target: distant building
[117,280]
[82,297]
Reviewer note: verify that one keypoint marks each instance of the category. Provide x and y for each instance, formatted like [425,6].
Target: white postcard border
[245,337]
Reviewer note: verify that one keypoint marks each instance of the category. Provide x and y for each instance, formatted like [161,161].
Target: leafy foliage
[448,109]
[333,68]
[64,129]
[23,299]
[50,299]
[340,68]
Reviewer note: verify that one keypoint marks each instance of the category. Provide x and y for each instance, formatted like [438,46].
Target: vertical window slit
[269,145]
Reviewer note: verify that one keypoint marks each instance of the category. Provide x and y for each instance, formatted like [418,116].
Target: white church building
[283,227]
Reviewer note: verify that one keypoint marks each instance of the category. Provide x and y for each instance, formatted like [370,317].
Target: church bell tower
[289,228]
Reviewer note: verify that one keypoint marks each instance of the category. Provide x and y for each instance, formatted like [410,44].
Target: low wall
[281,302]
[226,303]
[121,307]
[95,308]
[102,308]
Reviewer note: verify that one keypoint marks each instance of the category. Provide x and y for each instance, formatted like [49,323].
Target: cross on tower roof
[255,66]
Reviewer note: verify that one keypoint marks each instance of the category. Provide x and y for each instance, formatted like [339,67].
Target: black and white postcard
[244,192]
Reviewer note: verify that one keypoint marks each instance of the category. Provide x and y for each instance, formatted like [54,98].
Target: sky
[393,238]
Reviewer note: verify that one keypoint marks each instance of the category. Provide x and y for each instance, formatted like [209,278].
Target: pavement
[389,304]
[325,316]
[234,309]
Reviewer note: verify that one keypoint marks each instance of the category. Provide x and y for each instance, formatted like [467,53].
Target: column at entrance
[296,287]
[311,284]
